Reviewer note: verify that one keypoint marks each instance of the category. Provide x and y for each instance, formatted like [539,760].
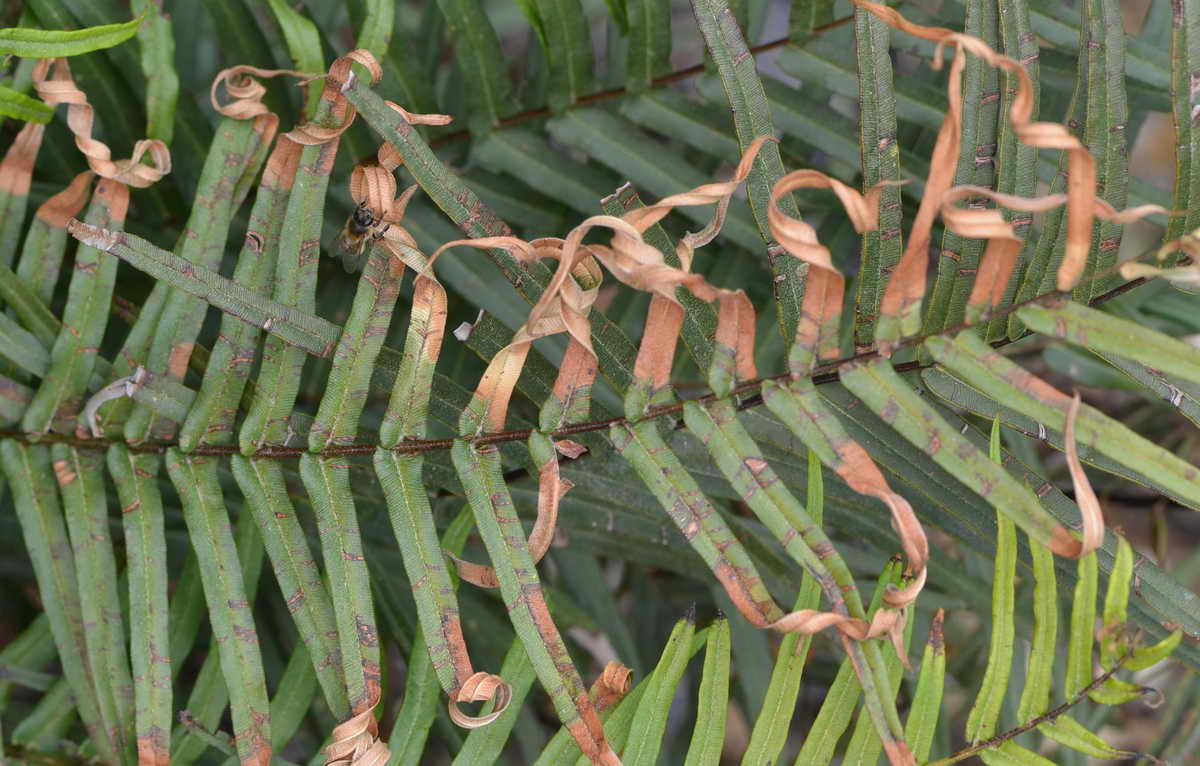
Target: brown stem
[746,394]
[1032,723]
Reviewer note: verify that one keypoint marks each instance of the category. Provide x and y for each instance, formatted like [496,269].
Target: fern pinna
[214,427]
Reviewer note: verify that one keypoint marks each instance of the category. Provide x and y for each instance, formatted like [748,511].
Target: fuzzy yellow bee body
[351,244]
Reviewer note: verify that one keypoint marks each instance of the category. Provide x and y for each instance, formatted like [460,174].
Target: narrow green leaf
[1083,622]
[32,650]
[60,43]
[1065,730]
[294,286]
[1116,692]
[80,477]
[1179,393]
[422,688]
[1102,40]
[211,418]
[562,749]
[1042,270]
[28,307]
[807,15]
[304,47]
[649,51]
[741,461]
[44,530]
[568,49]
[226,593]
[650,720]
[880,153]
[21,348]
[44,248]
[185,613]
[886,394]
[1147,656]
[708,735]
[262,484]
[294,696]
[375,28]
[820,127]
[1016,162]
[673,113]
[327,481]
[1034,407]
[21,107]
[354,356]
[751,119]
[47,725]
[14,400]
[521,590]
[842,697]
[1113,642]
[296,328]
[1043,650]
[157,40]
[482,62]
[135,477]
[1185,62]
[73,357]
[1103,332]
[413,524]
[708,534]
[985,713]
[618,10]
[865,746]
[210,694]
[30,679]
[1012,754]
[927,699]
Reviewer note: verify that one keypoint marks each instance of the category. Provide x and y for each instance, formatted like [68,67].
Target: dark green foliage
[191,389]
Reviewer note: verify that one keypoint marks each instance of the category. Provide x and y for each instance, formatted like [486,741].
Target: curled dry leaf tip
[355,742]
[481,687]
[1085,496]
[55,85]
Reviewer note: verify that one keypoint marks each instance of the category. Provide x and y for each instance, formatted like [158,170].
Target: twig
[1033,723]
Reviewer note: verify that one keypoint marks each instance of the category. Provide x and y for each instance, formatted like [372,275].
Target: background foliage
[556,105]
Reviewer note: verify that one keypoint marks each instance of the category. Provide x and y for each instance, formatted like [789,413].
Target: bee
[351,244]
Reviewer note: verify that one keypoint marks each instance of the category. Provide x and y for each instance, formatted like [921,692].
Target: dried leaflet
[16,171]
[1184,275]
[355,742]
[55,85]
[341,113]
[611,686]
[817,336]
[817,331]
[1000,257]
[905,291]
[1085,496]
[567,313]
[65,205]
